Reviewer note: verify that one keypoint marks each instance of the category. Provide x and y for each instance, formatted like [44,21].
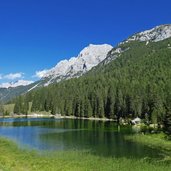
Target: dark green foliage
[6,113]
[21,105]
[167,124]
[1,109]
[137,83]
[8,94]
[167,118]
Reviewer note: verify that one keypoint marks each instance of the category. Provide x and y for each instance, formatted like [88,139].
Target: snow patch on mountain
[15,84]
[33,87]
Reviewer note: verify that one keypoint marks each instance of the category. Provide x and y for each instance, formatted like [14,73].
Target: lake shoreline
[158,141]
[84,118]
[18,159]
[36,115]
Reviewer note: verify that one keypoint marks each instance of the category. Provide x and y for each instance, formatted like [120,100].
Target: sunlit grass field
[14,159]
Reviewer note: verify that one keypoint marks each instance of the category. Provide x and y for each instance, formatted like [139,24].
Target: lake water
[101,138]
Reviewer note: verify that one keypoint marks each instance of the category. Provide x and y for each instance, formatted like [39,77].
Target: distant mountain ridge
[16,84]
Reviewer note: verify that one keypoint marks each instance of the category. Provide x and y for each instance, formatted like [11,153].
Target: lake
[101,138]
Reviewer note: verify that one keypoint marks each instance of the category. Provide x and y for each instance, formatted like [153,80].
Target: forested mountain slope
[136,83]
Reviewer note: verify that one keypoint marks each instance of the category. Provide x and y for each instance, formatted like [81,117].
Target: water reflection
[101,138]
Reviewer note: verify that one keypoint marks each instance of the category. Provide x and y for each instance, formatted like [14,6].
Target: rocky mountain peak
[89,57]
[155,34]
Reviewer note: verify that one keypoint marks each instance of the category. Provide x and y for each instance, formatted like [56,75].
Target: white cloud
[13,76]
[16,83]
[41,74]
[0,76]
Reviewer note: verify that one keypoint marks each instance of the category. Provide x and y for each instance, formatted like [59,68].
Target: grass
[158,141]
[14,159]
[153,140]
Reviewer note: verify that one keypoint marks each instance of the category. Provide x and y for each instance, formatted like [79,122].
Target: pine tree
[1,109]
[110,104]
[18,106]
[167,123]
[88,112]
[100,109]
[167,118]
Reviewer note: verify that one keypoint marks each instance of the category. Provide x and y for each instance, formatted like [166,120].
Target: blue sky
[36,34]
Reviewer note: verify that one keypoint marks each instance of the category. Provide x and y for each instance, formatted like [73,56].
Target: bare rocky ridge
[155,34]
[76,66]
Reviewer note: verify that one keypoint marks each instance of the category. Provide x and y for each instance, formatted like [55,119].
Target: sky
[37,34]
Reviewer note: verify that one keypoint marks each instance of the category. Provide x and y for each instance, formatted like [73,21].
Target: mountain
[93,56]
[155,34]
[136,83]
[7,94]
[77,66]
[74,67]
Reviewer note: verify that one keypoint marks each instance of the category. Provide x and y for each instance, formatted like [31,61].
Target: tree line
[137,83]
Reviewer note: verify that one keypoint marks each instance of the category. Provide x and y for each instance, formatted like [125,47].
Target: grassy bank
[14,159]
[158,141]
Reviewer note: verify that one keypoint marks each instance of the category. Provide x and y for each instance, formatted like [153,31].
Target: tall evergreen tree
[1,109]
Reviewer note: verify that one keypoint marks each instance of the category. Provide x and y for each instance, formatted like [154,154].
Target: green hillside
[137,83]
